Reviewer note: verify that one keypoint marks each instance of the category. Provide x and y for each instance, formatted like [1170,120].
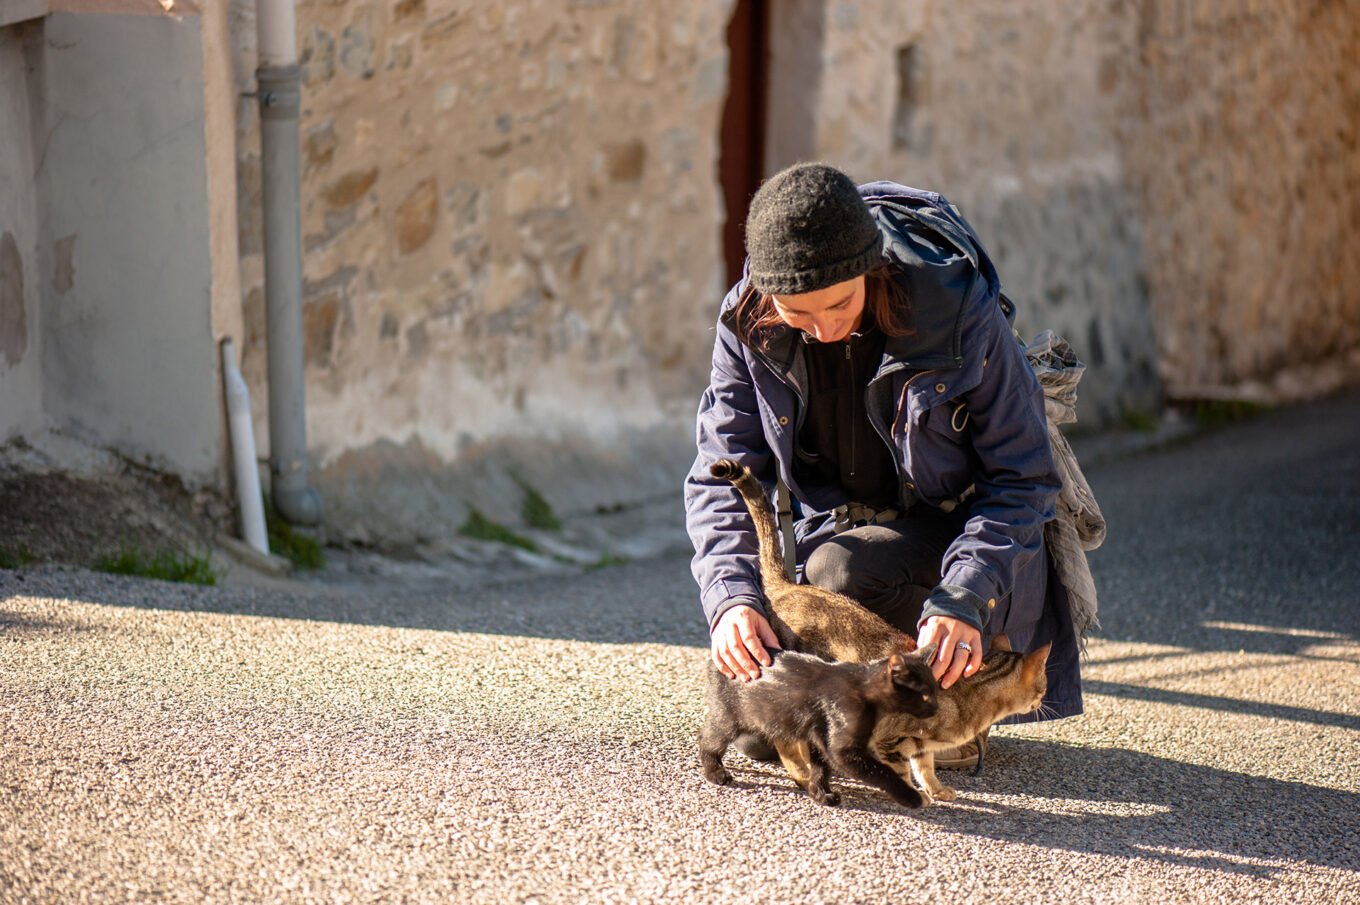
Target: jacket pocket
[950,420]
[943,462]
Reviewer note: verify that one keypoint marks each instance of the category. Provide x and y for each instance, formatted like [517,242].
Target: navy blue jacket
[958,405]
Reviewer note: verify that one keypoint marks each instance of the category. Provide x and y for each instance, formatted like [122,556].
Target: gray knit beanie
[807,229]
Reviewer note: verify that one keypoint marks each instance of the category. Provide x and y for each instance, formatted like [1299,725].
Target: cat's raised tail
[758,503]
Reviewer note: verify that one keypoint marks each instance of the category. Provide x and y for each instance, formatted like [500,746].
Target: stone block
[317,57]
[319,145]
[443,30]
[350,188]
[357,46]
[625,161]
[523,192]
[408,9]
[417,216]
[400,53]
[319,319]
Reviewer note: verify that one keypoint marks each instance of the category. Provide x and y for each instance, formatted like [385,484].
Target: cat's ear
[1036,660]
[1001,642]
[928,652]
[895,663]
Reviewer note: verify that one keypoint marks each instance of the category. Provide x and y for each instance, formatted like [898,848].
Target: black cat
[829,710]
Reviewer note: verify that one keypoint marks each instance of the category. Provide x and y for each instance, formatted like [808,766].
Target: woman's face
[829,315]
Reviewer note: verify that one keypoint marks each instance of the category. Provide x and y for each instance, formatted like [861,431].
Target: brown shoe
[968,756]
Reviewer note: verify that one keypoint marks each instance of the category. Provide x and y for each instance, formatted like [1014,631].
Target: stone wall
[1240,124]
[1175,186]
[1008,110]
[510,217]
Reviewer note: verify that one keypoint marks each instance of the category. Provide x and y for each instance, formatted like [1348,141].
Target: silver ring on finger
[965,646]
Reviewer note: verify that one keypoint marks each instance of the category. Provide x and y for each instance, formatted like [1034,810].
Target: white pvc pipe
[278,31]
[243,451]
[276,25]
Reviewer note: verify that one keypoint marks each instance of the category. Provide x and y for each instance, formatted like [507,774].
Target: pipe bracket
[279,91]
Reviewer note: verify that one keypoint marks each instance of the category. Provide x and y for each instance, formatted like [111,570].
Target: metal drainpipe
[279,82]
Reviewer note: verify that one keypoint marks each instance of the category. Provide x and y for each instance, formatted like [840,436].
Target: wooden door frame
[742,138]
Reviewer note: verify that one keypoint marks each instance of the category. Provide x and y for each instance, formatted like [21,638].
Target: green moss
[12,559]
[1143,422]
[167,565]
[1215,412]
[479,527]
[535,510]
[608,559]
[284,540]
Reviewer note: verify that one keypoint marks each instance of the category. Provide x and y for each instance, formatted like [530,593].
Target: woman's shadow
[1113,801]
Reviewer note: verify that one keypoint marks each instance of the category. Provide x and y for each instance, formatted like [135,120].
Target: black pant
[890,568]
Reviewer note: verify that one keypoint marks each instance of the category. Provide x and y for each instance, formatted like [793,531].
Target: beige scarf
[1079,526]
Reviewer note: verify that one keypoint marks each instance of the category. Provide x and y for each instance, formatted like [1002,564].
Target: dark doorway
[741,163]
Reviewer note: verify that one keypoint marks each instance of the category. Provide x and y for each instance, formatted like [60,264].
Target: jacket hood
[938,261]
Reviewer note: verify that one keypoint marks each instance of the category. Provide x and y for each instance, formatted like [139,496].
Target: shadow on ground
[1231,540]
[1122,803]
[649,601]
[1183,814]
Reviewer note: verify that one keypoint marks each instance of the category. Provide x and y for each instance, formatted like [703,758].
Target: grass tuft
[15,559]
[167,565]
[479,527]
[1217,412]
[608,559]
[1140,421]
[284,540]
[536,511]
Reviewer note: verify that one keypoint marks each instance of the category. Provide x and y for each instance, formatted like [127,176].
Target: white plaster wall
[20,322]
[127,345]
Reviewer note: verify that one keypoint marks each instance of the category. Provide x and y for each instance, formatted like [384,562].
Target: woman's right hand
[740,641]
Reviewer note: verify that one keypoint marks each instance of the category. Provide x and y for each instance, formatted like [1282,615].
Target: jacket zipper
[854,434]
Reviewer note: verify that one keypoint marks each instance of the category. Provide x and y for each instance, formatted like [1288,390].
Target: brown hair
[885,297]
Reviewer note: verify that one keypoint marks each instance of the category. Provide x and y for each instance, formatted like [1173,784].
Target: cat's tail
[758,502]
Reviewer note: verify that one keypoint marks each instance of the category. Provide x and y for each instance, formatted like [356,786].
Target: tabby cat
[1007,683]
[817,621]
[805,617]
[831,711]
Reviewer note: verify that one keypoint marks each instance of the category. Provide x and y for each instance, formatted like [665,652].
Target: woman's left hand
[960,652]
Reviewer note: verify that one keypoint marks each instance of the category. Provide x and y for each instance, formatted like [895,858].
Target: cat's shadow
[1114,801]
[1121,803]
[770,779]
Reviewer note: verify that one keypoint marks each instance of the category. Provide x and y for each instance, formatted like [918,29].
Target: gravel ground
[408,739]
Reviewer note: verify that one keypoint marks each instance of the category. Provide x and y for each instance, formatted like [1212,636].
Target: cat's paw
[719,776]
[909,797]
[825,796]
[944,793]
